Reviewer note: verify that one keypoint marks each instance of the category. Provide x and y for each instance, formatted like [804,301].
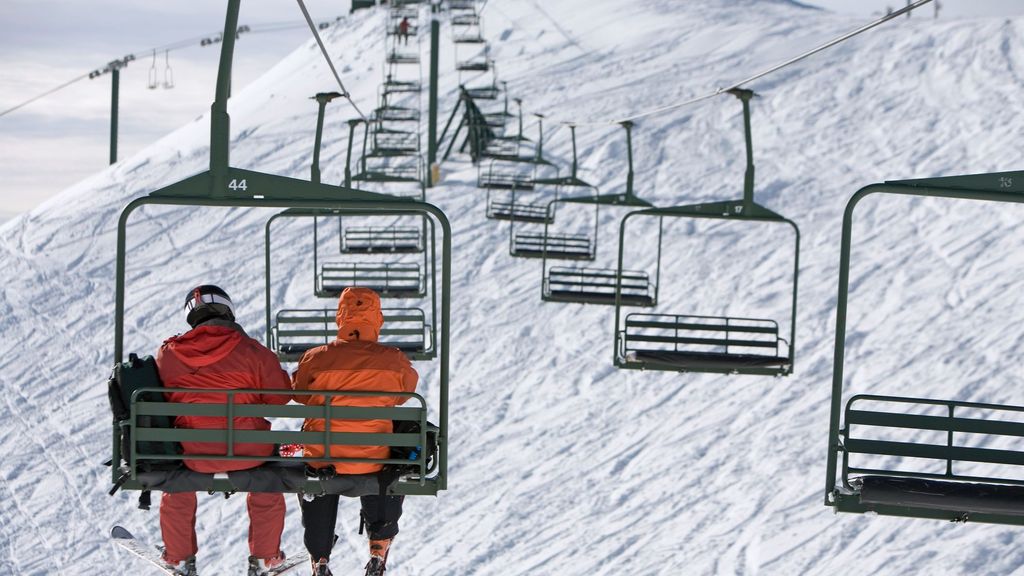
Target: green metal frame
[995,187]
[224,186]
[744,210]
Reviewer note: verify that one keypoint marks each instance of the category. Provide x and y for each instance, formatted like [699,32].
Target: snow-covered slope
[560,463]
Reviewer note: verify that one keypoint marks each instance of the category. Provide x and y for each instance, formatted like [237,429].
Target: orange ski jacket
[219,355]
[354,362]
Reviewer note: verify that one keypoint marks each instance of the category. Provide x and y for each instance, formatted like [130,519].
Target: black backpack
[412,453]
[128,377]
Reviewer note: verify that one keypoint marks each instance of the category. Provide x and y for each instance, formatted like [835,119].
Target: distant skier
[403,30]
[217,353]
[355,361]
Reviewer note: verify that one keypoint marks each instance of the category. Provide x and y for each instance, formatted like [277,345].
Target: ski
[124,539]
[289,563]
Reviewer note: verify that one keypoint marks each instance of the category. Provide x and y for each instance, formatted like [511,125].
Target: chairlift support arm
[322,99]
[348,156]
[748,177]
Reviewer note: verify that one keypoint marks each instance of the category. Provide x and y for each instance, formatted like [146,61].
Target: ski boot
[186,567]
[378,557]
[264,567]
[320,568]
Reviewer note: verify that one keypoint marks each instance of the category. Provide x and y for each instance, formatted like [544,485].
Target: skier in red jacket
[403,30]
[218,354]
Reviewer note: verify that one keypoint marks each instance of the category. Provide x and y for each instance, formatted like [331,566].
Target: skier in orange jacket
[353,362]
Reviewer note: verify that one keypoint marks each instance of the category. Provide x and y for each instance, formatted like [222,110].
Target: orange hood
[359,316]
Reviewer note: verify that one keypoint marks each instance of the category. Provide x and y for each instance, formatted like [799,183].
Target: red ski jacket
[219,355]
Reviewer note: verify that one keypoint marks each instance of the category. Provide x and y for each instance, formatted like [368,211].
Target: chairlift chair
[527,210]
[701,343]
[467,30]
[225,186]
[878,462]
[392,86]
[589,284]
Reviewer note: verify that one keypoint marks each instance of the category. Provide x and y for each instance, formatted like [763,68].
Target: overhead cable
[330,63]
[204,40]
[905,10]
[44,94]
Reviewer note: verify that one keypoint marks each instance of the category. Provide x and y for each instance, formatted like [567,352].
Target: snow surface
[560,463]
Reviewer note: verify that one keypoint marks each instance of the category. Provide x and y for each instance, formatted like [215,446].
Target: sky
[58,140]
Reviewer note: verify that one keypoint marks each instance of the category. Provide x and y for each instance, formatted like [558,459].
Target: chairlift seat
[473,66]
[283,477]
[397,114]
[553,246]
[390,279]
[888,443]
[403,58]
[468,39]
[506,179]
[401,86]
[961,498]
[702,343]
[465,20]
[389,174]
[520,212]
[277,473]
[297,331]
[394,143]
[597,286]
[376,239]
[483,92]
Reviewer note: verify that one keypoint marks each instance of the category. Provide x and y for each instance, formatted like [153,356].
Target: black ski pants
[380,515]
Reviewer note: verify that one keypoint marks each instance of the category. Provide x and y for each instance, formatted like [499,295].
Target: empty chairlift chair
[698,343]
[923,457]
[592,285]
[548,244]
[528,208]
[701,343]
[507,175]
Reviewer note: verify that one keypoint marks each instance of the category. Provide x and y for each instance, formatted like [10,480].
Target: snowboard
[151,554]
